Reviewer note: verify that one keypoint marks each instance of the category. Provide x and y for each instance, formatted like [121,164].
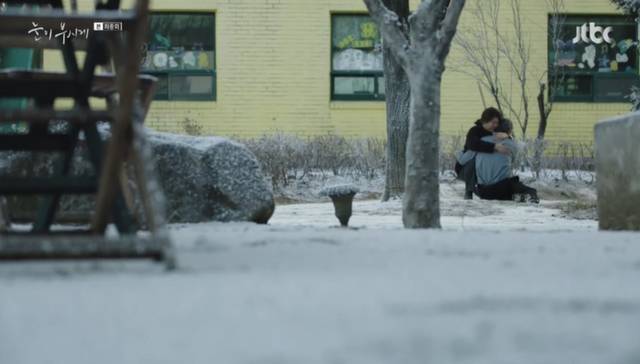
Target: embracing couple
[486,162]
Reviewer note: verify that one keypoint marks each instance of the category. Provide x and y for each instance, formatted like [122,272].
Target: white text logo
[591,33]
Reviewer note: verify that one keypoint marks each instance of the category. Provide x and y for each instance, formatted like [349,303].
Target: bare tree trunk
[545,108]
[542,129]
[398,96]
[422,188]
[397,93]
[422,48]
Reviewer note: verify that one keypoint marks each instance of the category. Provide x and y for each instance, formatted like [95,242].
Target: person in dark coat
[465,161]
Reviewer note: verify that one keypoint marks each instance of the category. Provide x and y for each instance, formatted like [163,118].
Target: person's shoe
[468,195]
[533,198]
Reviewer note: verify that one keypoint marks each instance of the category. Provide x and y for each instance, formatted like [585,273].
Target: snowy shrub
[634,97]
[367,157]
[191,127]
[563,156]
[566,157]
[286,157]
[449,147]
[630,6]
[280,155]
[573,157]
[329,153]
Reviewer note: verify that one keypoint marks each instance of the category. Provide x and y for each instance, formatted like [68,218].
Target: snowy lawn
[566,207]
[303,291]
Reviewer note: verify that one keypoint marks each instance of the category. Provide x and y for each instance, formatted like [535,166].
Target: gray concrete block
[617,143]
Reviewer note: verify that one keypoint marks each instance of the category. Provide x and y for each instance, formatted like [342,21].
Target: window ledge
[357,105]
[193,104]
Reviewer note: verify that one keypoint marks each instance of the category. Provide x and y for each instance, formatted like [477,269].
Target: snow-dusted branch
[427,17]
[630,6]
[481,48]
[448,28]
[390,28]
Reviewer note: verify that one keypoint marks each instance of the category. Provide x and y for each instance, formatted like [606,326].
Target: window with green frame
[180,51]
[356,58]
[593,70]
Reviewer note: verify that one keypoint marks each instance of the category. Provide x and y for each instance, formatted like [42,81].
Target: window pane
[190,31]
[574,86]
[179,42]
[381,86]
[162,88]
[356,44]
[614,88]
[354,86]
[357,60]
[190,86]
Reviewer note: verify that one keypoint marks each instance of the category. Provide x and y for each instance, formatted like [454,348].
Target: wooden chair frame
[126,144]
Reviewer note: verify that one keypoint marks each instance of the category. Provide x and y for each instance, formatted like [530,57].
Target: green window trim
[182,78]
[373,79]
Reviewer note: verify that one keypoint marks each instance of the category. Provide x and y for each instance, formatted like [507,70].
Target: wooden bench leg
[49,204]
[127,192]
[4,215]
[122,215]
[126,60]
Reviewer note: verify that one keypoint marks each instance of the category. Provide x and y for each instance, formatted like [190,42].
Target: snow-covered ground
[274,294]
[458,214]
[501,283]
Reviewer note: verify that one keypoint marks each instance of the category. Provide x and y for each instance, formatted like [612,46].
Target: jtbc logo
[592,33]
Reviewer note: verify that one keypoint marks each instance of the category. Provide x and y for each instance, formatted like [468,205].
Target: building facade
[250,67]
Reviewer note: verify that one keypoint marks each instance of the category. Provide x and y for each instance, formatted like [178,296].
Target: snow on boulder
[618,172]
[210,178]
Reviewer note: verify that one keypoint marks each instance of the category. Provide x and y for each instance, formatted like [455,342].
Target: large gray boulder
[618,172]
[210,178]
[203,179]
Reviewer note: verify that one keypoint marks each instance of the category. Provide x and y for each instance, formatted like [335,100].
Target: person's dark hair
[490,114]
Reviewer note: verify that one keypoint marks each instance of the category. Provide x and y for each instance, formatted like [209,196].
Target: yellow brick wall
[273,65]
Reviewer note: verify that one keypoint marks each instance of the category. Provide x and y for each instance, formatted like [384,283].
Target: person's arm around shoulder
[502,149]
[513,146]
[501,136]
[474,142]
